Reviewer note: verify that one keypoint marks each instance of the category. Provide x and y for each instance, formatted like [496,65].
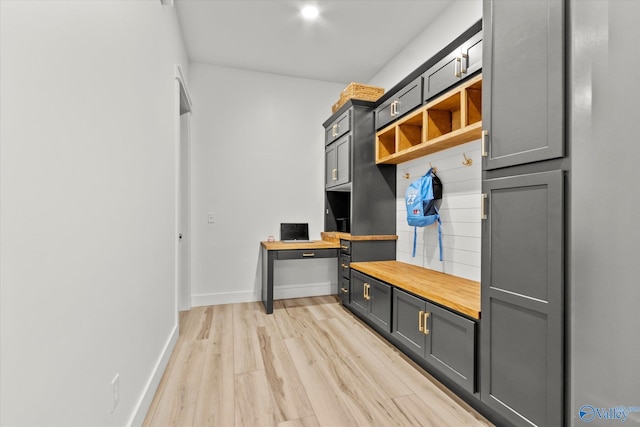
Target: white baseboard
[223,298]
[142,407]
[279,292]
[304,290]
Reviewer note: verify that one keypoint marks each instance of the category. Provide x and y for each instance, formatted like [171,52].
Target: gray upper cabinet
[445,340]
[360,195]
[455,67]
[406,99]
[338,163]
[523,298]
[337,128]
[523,82]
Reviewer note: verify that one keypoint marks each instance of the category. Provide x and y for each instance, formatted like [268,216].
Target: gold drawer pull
[309,254]
[344,290]
[420,327]
[425,328]
[344,265]
[344,247]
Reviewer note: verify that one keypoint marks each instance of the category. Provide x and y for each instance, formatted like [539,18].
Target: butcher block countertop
[458,294]
[335,236]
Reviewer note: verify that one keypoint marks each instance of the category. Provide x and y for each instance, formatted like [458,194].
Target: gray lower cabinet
[462,62]
[444,339]
[523,82]
[523,298]
[338,162]
[372,298]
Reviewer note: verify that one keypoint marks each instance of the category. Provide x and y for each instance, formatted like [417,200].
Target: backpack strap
[415,237]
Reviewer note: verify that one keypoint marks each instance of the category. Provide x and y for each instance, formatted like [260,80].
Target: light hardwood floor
[311,363]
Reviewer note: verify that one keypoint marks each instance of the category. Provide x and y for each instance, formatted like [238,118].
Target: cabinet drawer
[345,246]
[338,127]
[345,260]
[344,290]
[307,253]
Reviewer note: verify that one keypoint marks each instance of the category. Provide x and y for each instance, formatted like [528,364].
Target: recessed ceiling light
[310,12]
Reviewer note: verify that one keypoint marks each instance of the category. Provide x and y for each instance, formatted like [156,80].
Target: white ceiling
[351,41]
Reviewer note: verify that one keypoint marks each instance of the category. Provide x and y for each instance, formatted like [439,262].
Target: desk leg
[267,279]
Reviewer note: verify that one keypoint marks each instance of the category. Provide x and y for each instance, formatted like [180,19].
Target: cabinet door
[380,303]
[523,82]
[451,345]
[338,127]
[471,53]
[408,98]
[522,298]
[407,311]
[358,300]
[343,162]
[442,75]
[337,161]
[330,165]
[456,66]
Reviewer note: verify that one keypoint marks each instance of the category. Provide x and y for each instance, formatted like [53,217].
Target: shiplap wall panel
[459,211]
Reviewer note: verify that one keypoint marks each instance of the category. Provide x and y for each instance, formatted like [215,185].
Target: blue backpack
[421,207]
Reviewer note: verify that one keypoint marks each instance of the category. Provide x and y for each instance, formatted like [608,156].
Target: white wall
[257,159]
[603,322]
[460,208]
[87,208]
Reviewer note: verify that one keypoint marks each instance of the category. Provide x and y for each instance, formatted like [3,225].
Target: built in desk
[272,251]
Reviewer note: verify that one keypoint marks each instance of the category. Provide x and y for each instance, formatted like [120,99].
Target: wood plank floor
[311,363]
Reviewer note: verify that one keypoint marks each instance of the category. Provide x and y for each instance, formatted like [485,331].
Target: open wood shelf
[451,119]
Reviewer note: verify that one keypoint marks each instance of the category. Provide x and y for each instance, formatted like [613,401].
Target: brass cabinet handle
[366,291]
[420,326]
[344,290]
[463,66]
[344,247]
[334,174]
[334,130]
[483,211]
[483,149]
[457,64]
[425,329]
[344,265]
[309,254]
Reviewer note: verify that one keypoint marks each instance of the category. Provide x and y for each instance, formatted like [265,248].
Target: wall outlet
[211,218]
[115,392]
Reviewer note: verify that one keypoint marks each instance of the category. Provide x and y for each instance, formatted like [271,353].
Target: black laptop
[294,232]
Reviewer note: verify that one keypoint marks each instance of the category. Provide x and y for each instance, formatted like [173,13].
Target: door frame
[182,201]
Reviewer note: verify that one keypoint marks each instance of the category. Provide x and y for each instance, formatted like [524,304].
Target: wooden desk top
[456,293]
[316,244]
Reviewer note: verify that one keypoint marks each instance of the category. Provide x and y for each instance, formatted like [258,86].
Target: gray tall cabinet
[523,232]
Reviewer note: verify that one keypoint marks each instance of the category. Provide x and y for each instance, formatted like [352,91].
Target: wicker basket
[358,91]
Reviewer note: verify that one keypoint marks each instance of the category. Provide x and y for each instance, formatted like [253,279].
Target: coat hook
[433,168]
[407,175]
[467,161]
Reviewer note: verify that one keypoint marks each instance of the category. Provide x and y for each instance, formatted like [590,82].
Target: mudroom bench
[431,316]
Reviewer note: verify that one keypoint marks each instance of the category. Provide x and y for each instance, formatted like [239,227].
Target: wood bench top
[458,294]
